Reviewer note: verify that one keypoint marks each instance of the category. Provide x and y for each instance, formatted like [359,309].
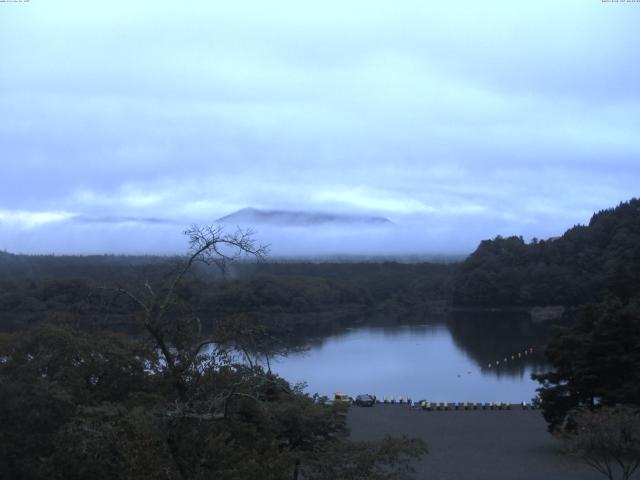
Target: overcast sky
[125,121]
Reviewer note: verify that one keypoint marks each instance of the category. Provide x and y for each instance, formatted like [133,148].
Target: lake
[438,360]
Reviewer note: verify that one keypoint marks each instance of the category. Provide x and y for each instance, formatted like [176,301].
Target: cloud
[128,196]
[121,220]
[368,199]
[476,118]
[31,220]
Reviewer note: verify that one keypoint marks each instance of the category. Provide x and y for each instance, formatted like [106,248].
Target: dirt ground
[475,444]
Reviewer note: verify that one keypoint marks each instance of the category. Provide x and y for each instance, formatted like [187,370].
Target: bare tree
[180,340]
[608,439]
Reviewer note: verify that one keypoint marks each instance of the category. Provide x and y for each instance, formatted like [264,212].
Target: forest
[595,270]
[586,264]
[285,296]
[118,366]
[172,400]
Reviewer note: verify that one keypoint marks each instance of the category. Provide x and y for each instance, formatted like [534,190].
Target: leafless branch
[209,245]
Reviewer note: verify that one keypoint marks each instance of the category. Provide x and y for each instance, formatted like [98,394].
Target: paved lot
[475,445]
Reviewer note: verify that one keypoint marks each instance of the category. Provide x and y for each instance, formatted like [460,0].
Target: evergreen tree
[594,363]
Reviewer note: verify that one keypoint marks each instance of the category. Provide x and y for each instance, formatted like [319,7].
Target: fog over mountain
[128,121]
[289,233]
[251,216]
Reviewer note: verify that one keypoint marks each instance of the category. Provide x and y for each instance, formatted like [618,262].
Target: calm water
[438,361]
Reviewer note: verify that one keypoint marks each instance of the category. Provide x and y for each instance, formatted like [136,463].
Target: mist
[127,123]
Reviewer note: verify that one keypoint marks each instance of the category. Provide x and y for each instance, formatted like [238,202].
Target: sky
[123,122]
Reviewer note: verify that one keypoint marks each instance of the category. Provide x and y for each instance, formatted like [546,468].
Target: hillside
[585,264]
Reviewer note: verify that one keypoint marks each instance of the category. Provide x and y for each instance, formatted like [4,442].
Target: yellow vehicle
[342,398]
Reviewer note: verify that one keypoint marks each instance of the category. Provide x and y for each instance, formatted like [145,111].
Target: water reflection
[441,359]
[490,337]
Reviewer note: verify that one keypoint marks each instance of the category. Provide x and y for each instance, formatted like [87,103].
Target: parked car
[342,398]
[365,400]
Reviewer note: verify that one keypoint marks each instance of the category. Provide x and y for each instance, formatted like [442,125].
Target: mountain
[299,218]
[586,264]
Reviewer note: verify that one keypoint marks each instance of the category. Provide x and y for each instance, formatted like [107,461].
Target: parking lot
[474,444]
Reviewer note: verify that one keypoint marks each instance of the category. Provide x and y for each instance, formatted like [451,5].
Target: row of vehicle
[367,400]
[424,405]
[364,400]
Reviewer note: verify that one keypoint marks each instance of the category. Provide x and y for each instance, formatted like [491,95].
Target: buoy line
[516,356]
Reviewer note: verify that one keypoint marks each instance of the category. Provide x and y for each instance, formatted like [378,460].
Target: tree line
[590,396]
[175,402]
[79,400]
[287,296]
[587,263]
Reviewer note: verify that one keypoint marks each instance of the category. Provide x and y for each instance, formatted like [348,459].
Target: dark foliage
[75,405]
[173,402]
[286,296]
[596,362]
[608,440]
[586,264]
